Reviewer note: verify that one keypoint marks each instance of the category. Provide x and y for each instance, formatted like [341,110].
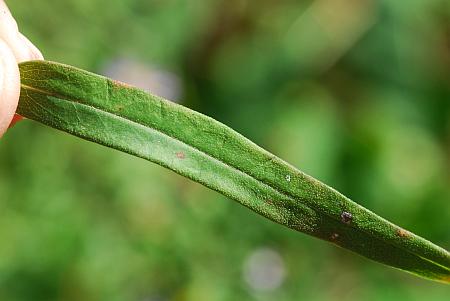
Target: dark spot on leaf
[334,237]
[269,202]
[181,155]
[402,233]
[346,217]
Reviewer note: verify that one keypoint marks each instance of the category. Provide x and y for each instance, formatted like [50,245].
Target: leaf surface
[113,114]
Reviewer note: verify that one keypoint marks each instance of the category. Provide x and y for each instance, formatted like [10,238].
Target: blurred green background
[354,92]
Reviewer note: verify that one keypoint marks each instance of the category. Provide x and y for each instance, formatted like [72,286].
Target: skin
[14,48]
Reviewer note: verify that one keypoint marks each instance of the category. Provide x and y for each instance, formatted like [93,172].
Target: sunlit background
[354,92]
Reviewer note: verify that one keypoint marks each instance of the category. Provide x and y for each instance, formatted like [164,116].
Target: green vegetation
[365,111]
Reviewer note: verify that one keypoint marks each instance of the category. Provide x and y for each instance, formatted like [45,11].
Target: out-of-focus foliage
[355,93]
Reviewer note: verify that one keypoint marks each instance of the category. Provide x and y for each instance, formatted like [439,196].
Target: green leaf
[198,147]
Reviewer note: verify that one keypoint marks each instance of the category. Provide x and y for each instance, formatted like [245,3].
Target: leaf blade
[204,150]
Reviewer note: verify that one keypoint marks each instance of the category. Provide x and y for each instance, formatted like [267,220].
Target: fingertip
[9,86]
[9,33]
[34,52]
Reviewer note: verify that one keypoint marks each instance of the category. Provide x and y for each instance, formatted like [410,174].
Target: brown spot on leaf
[346,217]
[402,233]
[269,202]
[181,155]
[334,237]
[120,84]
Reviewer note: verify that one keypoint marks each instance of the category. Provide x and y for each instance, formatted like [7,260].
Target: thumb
[9,86]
